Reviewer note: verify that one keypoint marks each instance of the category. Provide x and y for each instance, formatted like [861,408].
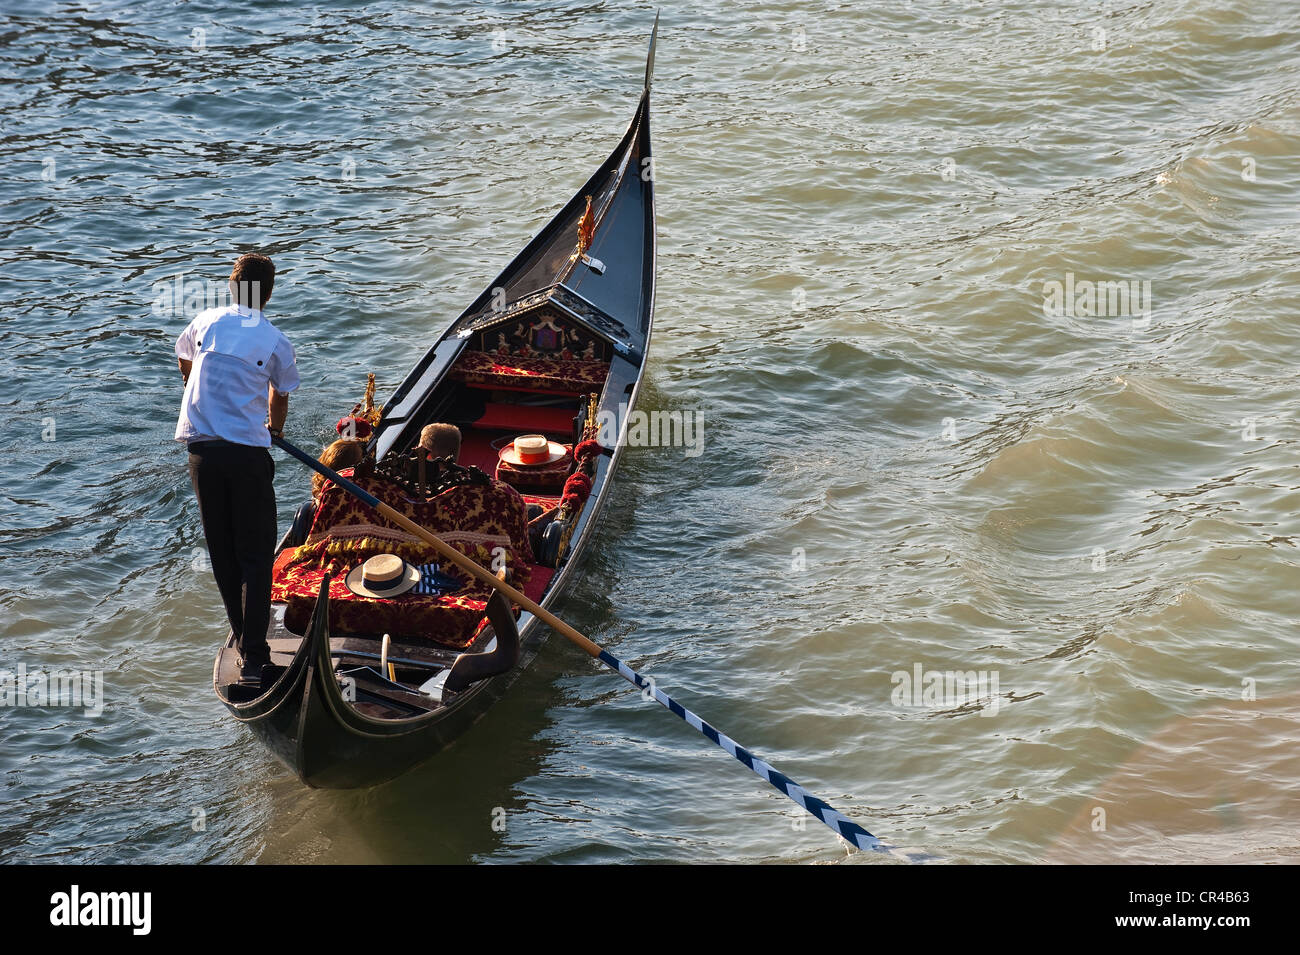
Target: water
[907,460]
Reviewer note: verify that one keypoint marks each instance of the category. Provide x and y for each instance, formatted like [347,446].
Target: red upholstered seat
[514,373]
[525,418]
[452,620]
[540,477]
[475,520]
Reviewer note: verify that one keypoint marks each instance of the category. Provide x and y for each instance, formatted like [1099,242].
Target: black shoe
[251,663]
[250,671]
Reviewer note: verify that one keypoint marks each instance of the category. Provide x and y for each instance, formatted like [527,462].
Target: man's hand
[186,365]
[279,411]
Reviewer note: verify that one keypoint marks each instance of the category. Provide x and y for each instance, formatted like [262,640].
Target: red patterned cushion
[537,477]
[541,374]
[475,520]
[452,620]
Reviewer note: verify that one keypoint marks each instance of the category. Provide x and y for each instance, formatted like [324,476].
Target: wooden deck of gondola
[347,650]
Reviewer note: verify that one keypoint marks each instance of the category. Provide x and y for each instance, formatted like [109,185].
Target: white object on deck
[432,687]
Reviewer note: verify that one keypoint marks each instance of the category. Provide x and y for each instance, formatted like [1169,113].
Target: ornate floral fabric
[452,620]
[475,520]
[543,333]
[544,374]
[536,477]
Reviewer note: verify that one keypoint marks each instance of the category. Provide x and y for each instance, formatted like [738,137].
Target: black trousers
[233,484]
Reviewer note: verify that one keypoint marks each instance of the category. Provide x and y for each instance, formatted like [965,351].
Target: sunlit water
[908,459]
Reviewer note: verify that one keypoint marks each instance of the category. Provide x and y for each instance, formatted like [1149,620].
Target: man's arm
[186,365]
[279,409]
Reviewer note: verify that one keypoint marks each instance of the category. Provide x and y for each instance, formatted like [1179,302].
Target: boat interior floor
[412,665]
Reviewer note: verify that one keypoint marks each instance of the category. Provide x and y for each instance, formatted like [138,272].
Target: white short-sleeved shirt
[236,353]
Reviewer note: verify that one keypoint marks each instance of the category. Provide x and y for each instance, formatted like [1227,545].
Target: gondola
[554,346]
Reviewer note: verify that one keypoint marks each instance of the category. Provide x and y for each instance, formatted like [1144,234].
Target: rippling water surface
[908,459]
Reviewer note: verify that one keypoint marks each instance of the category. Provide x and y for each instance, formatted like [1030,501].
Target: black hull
[306,722]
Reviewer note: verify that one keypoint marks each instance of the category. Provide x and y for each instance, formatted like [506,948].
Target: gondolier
[239,370]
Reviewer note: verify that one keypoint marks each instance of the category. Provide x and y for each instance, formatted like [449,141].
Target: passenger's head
[441,440]
[252,279]
[344,453]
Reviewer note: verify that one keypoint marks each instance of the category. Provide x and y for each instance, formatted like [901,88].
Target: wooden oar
[854,834]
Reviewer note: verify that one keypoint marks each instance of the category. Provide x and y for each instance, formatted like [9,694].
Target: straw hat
[385,575]
[530,450]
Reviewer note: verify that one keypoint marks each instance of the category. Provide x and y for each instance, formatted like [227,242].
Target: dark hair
[343,453]
[441,440]
[254,277]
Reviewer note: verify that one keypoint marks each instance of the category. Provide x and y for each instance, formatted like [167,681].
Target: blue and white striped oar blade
[843,826]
